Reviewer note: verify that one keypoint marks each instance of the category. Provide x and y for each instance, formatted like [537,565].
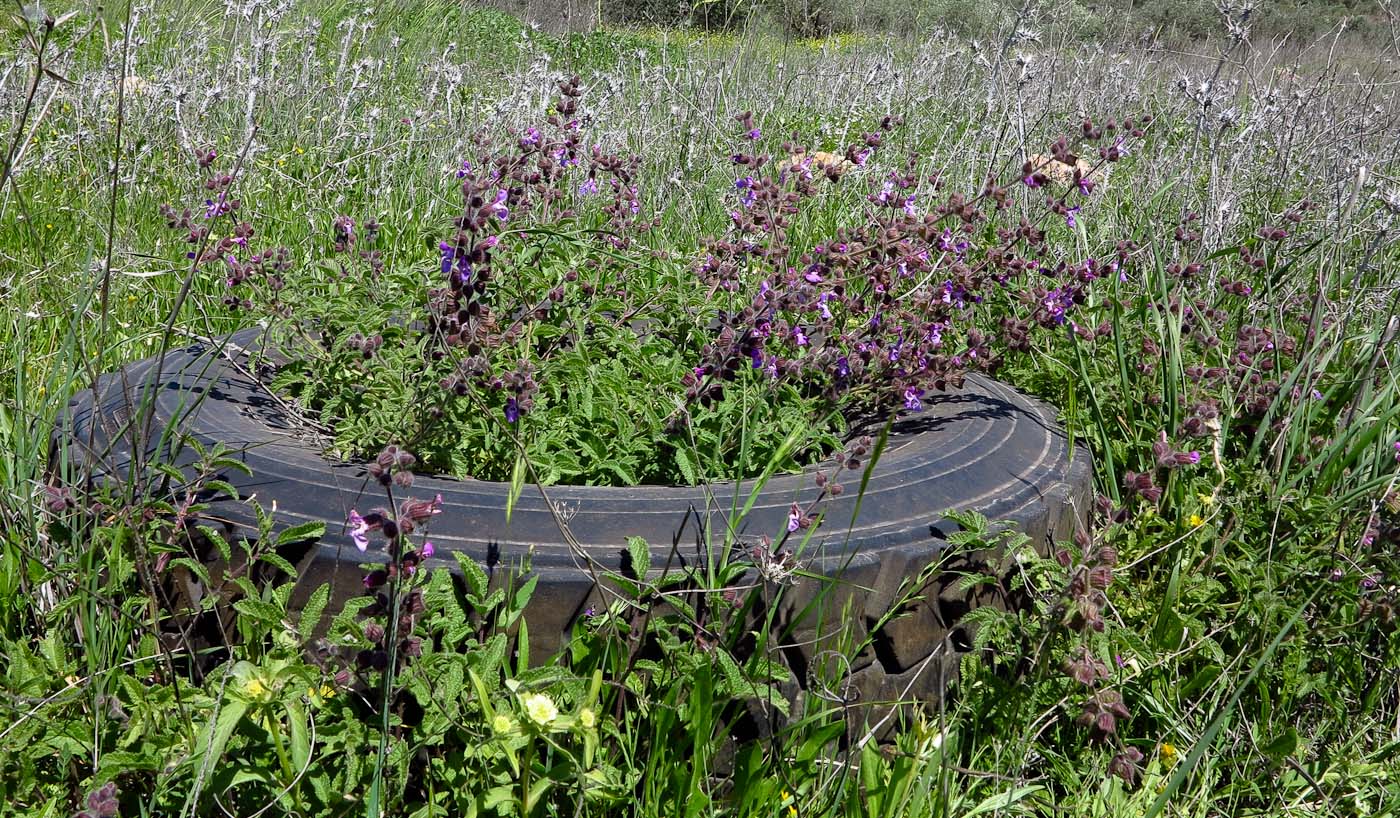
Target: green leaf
[259,611]
[298,734]
[640,553]
[1282,746]
[517,485]
[212,743]
[1002,800]
[279,562]
[522,647]
[313,610]
[301,533]
[688,464]
[474,575]
[218,540]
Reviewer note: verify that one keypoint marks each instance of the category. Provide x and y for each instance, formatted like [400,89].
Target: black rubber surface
[986,447]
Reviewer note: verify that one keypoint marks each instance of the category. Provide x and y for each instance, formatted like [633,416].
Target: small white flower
[540,708]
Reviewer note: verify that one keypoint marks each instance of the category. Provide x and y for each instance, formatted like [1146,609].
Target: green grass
[1249,624]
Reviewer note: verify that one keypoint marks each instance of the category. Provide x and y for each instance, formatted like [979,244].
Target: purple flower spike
[589,187]
[428,549]
[1069,217]
[794,518]
[911,399]
[512,410]
[359,530]
[1031,181]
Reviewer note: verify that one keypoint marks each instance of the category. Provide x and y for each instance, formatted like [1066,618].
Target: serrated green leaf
[313,610]
[259,611]
[640,553]
[279,562]
[689,465]
[219,542]
[301,533]
[474,575]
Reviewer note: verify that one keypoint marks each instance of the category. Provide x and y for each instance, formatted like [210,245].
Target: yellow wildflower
[540,708]
[1168,753]
[1197,521]
[587,718]
[1206,499]
[255,688]
[502,723]
[788,802]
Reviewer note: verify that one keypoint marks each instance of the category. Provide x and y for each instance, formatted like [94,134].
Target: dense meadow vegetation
[663,256]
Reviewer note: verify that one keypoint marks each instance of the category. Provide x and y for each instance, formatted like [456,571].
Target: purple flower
[512,410]
[909,208]
[589,187]
[1031,181]
[359,530]
[948,243]
[1397,443]
[464,169]
[794,518]
[428,549]
[1056,302]
[843,368]
[498,207]
[911,399]
[531,138]
[755,134]
[747,195]
[1069,217]
[826,314]
[813,275]
[799,336]
[448,256]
